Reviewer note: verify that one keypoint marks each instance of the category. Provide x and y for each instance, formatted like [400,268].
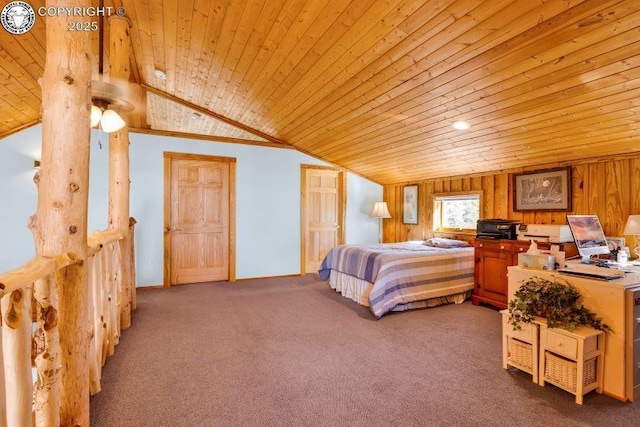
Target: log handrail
[37,268]
[98,239]
[41,266]
[39,404]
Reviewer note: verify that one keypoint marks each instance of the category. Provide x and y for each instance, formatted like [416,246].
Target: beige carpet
[292,352]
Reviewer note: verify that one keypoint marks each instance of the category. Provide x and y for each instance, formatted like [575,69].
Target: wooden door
[199,220]
[322,214]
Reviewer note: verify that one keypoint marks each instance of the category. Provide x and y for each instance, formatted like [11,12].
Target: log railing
[29,341]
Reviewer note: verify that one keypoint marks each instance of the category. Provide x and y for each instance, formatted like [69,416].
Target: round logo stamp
[17,17]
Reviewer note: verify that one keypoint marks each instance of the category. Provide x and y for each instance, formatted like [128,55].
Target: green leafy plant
[557,301]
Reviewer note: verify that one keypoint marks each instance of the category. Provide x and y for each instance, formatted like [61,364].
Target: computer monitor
[588,235]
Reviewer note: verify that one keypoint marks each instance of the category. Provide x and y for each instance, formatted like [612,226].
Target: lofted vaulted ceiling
[371,85]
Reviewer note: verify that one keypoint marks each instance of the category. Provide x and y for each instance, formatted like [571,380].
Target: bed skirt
[358,290]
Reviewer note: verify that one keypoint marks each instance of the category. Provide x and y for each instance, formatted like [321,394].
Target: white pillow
[440,242]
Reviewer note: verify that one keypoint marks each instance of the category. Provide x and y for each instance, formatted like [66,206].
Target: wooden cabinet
[492,257]
[520,346]
[572,360]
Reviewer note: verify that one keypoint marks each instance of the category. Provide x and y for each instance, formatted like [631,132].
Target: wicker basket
[562,372]
[520,354]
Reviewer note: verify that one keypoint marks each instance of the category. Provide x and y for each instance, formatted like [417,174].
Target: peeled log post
[16,346]
[134,296]
[95,366]
[110,304]
[61,215]
[112,265]
[47,354]
[119,51]
[3,395]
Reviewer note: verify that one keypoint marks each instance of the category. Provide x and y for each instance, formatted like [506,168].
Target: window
[456,211]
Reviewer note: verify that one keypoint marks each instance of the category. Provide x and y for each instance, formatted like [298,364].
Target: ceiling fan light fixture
[111,121]
[460,125]
[108,120]
[96,114]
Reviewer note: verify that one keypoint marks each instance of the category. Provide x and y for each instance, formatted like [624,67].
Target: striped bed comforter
[403,273]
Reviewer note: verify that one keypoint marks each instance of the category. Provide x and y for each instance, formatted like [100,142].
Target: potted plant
[557,301]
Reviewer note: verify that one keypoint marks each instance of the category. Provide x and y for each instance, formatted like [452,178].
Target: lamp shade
[633,225]
[111,121]
[380,210]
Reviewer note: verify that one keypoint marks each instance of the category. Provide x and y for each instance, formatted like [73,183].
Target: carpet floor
[290,351]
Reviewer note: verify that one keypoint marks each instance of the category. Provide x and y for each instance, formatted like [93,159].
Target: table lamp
[380,210]
[633,228]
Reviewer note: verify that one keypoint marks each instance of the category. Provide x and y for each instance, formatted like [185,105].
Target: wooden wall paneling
[475,183]
[400,226]
[518,216]
[500,198]
[617,196]
[634,182]
[423,217]
[634,200]
[542,217]
[388,195]
[455,184]
[601,188]
[579,188]
[488,196]
[597,192]
[428,210]
[466,184]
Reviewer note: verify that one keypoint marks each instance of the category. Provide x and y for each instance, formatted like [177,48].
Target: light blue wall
[362,194]
[267,201]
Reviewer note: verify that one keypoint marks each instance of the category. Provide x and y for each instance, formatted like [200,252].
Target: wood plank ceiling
[373,86]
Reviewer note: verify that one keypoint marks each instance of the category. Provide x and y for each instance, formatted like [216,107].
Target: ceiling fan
[108,98]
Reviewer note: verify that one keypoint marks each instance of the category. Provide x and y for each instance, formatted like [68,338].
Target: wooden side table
[572,360]
[520,347]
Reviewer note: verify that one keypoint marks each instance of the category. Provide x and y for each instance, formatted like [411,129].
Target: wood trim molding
[232,221]
[212,114]
[166,281]
[303,219]
[212,138]
[321,167]
[203,157]
[21,127]
[342,209]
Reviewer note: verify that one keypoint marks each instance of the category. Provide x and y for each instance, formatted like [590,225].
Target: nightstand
[572,360]
[520,347]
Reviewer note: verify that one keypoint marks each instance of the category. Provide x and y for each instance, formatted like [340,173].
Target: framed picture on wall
[410,204]
[545,190]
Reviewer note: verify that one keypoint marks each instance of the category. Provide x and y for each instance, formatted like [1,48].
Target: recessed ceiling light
[196,116]
[460,125]
[160,74]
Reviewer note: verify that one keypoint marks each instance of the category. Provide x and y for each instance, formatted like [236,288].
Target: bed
[401,276]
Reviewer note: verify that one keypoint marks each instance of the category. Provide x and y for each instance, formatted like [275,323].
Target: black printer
[497,228]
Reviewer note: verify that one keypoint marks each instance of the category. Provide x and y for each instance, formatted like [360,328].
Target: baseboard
[144,288]
[269,277]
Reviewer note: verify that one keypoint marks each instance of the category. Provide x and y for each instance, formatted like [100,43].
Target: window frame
[437,200]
